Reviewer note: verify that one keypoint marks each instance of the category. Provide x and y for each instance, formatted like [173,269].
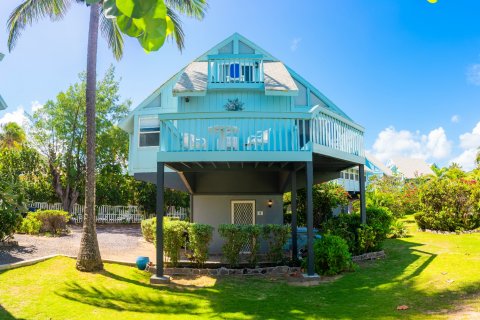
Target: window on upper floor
[149,133]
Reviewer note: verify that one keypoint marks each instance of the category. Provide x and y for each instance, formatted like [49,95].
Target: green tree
[58,130]
[150,21]
[12,135]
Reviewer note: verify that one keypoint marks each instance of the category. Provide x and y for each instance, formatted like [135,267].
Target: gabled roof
[409,167]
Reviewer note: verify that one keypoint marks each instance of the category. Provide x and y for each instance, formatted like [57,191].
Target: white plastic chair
[261,138]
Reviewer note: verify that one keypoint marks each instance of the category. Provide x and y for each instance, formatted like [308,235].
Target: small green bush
[276,236]
[11,209]
[30,224]
[174,238]
[149,227]
[45,221]
[398,230]
[253,237]
[331,255]
[235,240]
[199,236]
[362,238]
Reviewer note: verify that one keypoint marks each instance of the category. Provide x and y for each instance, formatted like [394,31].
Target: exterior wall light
[270,203]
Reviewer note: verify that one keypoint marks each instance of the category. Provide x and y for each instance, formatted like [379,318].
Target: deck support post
[293,178]
[159,277]
[361,179]
[309,206]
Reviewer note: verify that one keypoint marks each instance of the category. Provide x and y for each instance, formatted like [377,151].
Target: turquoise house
[237,128]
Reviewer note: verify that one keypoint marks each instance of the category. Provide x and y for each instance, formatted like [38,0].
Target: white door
[243,212]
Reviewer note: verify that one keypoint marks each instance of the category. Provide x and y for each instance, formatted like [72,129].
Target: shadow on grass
[5,315]
[373,292]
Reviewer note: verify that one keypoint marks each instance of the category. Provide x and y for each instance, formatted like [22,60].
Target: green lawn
[432,274]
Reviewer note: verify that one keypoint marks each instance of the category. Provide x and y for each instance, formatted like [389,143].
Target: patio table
[227,136]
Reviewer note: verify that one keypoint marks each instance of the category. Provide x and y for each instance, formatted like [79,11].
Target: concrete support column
[361,179]
[309,206]
[294,216]
[159,277]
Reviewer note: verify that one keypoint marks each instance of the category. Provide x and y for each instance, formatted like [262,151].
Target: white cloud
[295,43]
[36,105]
[455,118]
[17,116]
[469,142]
[391,143]
[473,74]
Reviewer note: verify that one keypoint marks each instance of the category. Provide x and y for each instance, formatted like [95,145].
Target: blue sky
[407,70]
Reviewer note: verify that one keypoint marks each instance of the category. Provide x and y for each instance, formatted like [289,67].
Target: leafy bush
[362,238]
[449,205]
[11,209]
[199,236]
[252,237]
[331,255]
[235,240]
[326,197]
[398,230]
[174,238]
[276,236]
[30,224]
[45,221]
[149,227]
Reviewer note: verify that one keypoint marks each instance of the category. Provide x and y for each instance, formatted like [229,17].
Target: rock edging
[370,256]
[279,270]
[451,232]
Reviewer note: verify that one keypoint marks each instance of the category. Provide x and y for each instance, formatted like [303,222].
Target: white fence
[111,214]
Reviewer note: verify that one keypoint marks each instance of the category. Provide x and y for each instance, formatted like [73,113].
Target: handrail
[234,115]
[320,109]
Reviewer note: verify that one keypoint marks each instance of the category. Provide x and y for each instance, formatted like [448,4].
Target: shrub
[30,224]
[235,240]
[252,237]
[331,255]
[149,227]
[276,236]
[45,221]
[449,205]
[199,236]
[361,238]
[174,237]
[11,209]
[398,230]
[53,221]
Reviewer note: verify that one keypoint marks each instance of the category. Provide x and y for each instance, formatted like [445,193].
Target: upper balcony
[235,71]
[258,136]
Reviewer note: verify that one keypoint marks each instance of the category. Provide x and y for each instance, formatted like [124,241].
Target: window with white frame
[149,133]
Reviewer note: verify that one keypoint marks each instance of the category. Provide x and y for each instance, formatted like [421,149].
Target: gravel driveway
[117,242]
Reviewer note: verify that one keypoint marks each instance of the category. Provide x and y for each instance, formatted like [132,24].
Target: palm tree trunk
[89,258]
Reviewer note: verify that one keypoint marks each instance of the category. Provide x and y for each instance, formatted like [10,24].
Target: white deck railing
[260,131]
[235,69]
[111,214]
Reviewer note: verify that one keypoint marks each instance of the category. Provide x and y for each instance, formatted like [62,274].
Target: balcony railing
[259,131]
[235,69]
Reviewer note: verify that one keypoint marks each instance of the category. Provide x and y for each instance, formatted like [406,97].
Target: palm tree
[30,11]
[12,135]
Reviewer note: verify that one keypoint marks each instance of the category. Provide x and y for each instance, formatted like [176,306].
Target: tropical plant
[398,230]
[150,21]
[12,135]
[11,209]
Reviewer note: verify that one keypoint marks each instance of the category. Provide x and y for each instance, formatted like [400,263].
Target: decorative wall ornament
[234,105]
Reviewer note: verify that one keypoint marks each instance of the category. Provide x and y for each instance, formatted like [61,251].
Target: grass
[435,275]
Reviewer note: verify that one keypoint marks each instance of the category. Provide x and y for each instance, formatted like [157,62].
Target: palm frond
[112,35]
[192,8]
[178,34]
[31,11]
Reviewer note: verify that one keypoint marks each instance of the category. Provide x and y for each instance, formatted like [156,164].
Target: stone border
[370,256]
[450,232]
[279,270]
